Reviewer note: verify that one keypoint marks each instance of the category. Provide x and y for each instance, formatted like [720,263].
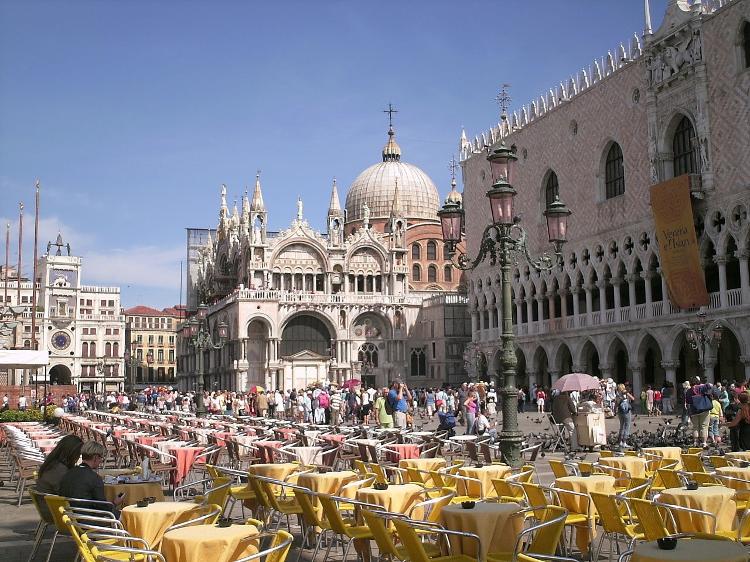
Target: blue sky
[134,113]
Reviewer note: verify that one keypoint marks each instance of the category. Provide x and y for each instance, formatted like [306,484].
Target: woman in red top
[540,396]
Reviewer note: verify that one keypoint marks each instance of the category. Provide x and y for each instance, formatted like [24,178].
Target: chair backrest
[277,550]
[718,461]
[650,518]
[471,450]
[692,463]
[332,514]
[379,530]
[83,548]
[349,489]
[558,468]
[535,497]
[486,452]
[360,467]
[219,493]
[508,490]
[609,512]
[258,490]
[414,475]
[408,536]
[437,505]
[605,454]
[56,506]
[379,472]
[547,536]
[41,506]
[669,478]
[637,487]
[308,509]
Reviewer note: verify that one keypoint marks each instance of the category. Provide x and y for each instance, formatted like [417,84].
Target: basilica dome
[376,186]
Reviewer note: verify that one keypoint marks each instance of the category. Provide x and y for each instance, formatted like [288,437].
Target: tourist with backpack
[624,408]
[698,399]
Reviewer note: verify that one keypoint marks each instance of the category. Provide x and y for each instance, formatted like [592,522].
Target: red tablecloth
[148,439]
[265,450]
[185,459]
[220,436]
[334,437]
[402,451]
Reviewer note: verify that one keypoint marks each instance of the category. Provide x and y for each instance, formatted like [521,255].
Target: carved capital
[670,365]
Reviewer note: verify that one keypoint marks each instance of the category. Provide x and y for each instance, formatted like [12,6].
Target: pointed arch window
[432,274]
[416,252]
[431,250]
[551,189]
[448,273]
[614,172]
[416,273]
[685,148]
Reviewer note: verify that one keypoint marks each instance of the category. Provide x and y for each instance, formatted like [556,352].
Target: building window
[416,273]
[431,250]
[171,340]
[685,148]
[92,349]
[161,340]
[139,339]
[416,252]
[85,349]
[432,274]
[139,355]
[116,349]
[92,331]
[614,172]
[171,355]
[151,340]
[551,189]
[160,356]
[108,349]
[448,273]
[746,43]
[418,364]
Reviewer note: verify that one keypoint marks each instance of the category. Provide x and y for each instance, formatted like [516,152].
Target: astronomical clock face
[60,340]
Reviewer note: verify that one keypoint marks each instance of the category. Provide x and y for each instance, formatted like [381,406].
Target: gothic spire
[334,208]
[391,150]
[245,206]
[396,208]
[647,16]
[257,203]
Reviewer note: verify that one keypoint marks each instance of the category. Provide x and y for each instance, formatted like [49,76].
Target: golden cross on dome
[452,167]
[390,111]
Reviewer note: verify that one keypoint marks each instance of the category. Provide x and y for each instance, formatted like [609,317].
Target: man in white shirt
[22,402]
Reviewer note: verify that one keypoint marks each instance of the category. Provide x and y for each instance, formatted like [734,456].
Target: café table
[199,543]
[307,455]
[692,550]
[397,498]
[601,483]
[460,438]
[277,471]
[494,523]
[485,474]
[150,523]
[400,451]
[718,500]
[134,491]
[424,465]
[635,466]
[265,450]
[741,488]
[326,483]
[167,446]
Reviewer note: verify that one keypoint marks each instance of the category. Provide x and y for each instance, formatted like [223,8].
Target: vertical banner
[679,257]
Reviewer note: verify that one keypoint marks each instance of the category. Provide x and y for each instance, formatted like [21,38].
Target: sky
[133,113]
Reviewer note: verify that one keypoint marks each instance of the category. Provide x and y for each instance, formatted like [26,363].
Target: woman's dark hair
[67,451]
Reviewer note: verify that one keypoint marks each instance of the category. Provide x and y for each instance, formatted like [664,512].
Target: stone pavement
[17,524]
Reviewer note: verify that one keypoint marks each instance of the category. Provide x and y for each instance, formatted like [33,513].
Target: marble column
[670,371]
[616,282]
[709,363]
[606,370]
[563,306]
[721,261]
[745,360]
[551,305]
[631,279]
[588,287]
[602,286]
[744,275]
[553,376]
[519,309]
[664,293]
[647,275]
[540,312]
[576,305]
[637,383]
[529,312]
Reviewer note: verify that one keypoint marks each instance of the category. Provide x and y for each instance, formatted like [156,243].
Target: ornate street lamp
[101,368]
[501,243]
[202,340]
[701,335]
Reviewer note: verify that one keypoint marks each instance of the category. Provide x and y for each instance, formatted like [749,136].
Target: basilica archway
[306,344]
[728,366]
[258,333]
[59,374]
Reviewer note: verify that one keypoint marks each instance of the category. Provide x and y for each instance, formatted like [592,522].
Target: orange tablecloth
[150,523]
[326,483]
[492,522]
[199,543]
[134,492]
[636,466]
[671,453]
[185,459]
[718,500]
[402,451]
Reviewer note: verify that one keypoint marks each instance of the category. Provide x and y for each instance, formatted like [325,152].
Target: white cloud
[143,266]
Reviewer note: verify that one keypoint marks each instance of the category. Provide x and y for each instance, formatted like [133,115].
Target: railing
[96,289]
[287,297]
[607,317]
[103,317]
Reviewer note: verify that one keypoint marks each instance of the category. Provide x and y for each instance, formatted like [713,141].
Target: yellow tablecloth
[600,483]
[740,455]
[326,483]
[742,488]
[485,474]
[398,498]
[492,522]
[199,543]
[134,492]
[278,471]
[671,453]
[718,500]
[636,466]
[150,522]
[694,550]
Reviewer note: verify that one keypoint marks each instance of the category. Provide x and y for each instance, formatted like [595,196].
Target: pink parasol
[576,381]
[351,383]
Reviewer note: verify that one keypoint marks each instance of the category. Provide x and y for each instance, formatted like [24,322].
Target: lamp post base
[200,407]
[510,448]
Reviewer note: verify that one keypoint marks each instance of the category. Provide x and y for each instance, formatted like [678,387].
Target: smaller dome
[454,196]
[391,150]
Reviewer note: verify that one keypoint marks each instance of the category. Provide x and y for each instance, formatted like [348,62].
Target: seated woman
[57,464]
[83,482]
